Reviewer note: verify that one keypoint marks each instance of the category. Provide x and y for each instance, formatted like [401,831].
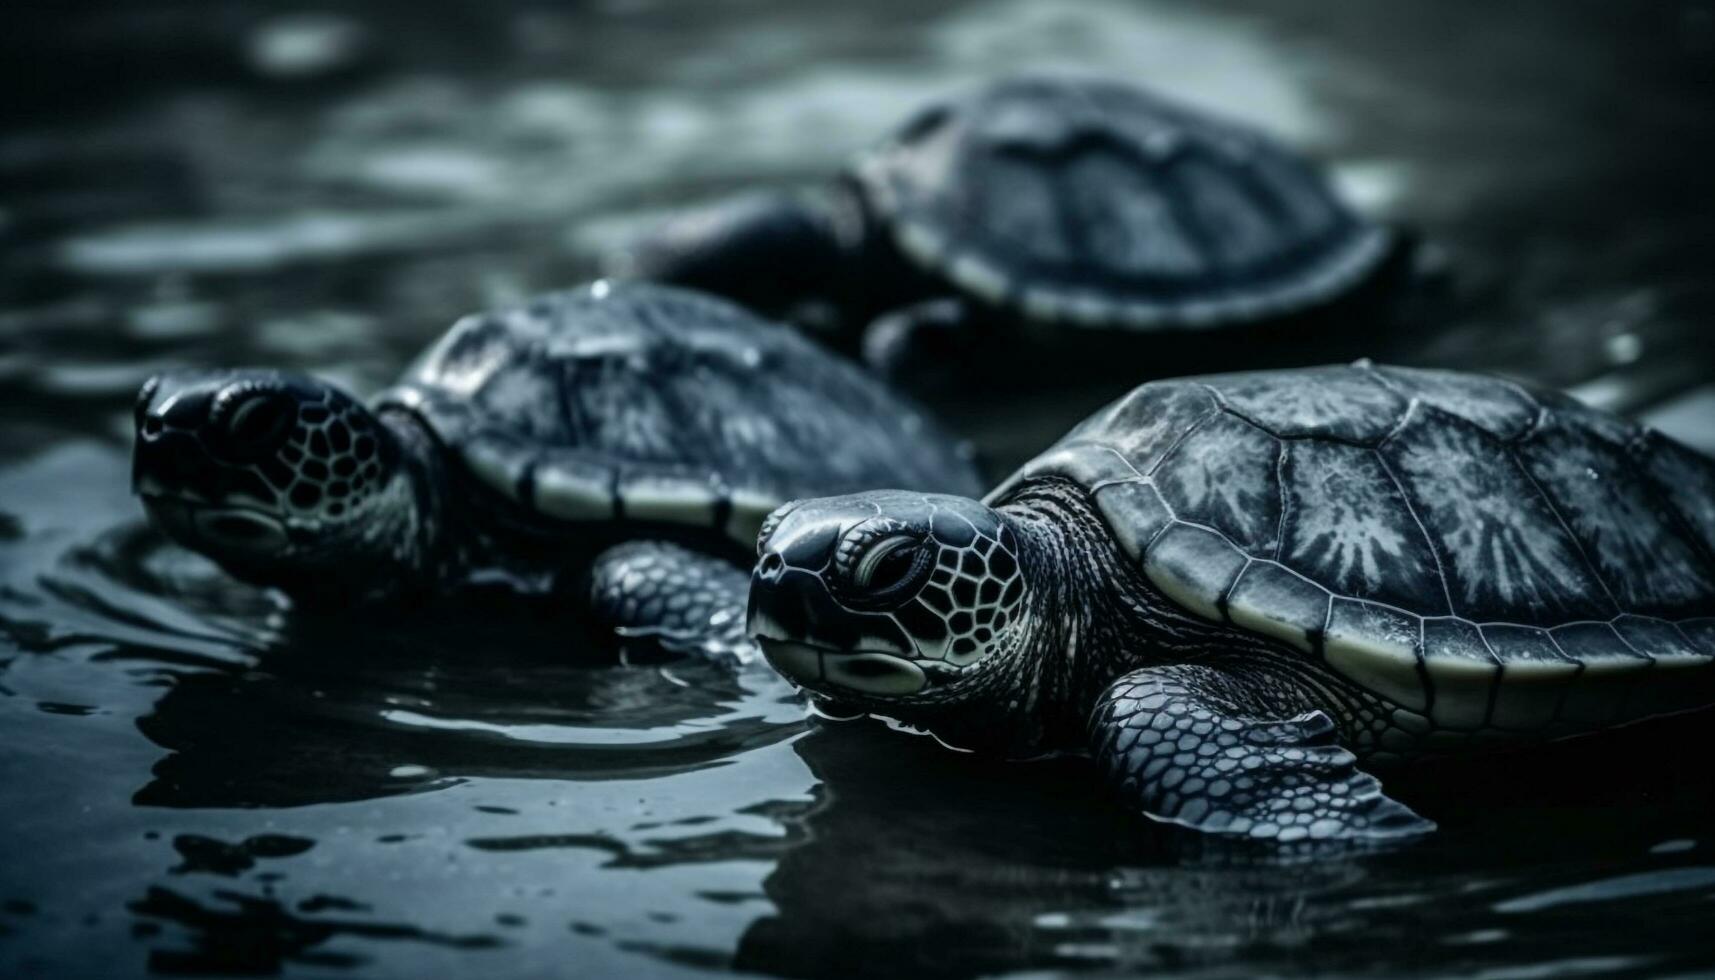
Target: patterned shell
[637,401]
[1481,555]
[1098,204]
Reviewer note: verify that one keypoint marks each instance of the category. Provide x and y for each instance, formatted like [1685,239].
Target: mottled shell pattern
[1094,203]
[634,401]
[1485,557]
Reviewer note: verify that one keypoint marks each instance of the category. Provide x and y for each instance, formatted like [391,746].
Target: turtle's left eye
[890,564]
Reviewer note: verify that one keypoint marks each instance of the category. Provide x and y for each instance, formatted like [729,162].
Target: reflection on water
[246,934]
[968,868]
[326,720]
[197,780]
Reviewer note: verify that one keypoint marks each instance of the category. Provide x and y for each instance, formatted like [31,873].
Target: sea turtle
[1233,590]
[525,447]
[1046,199]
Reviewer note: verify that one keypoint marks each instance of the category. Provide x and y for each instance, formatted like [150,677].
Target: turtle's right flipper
[768,250]
[685,601]
[929,333]
[1175,743]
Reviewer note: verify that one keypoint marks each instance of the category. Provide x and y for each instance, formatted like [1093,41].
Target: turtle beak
[199,437]
[805,633]
[169,454]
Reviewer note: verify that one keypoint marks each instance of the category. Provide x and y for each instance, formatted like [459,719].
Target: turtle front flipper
[920,338]
[687,602]
[1179,744]
[772,251]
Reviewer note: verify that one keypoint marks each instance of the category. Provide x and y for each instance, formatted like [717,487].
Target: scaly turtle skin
[1050,200]
[637,433]
[1233,590]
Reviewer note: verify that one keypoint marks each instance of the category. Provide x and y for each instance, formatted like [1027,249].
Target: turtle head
[281,479]
[887,598]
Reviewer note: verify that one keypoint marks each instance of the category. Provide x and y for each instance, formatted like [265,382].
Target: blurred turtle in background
[629,437]
[1036,201]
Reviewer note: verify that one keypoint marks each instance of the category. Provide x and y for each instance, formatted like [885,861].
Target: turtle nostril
[771,565]
[151,427]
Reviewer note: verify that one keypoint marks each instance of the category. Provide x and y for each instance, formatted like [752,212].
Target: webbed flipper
[1185,746]
[934,332]
[769,250]
[686,602]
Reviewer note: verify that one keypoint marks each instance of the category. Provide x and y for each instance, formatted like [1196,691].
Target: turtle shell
[1480,555]
[1099,204]
[634,401]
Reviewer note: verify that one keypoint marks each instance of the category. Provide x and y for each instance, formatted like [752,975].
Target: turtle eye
[890,564]
[260,420]
[251,419]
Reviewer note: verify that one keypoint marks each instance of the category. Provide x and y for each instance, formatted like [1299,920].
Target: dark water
[193,780]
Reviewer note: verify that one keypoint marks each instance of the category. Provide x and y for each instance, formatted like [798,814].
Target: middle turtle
[630,434]
[1051,200]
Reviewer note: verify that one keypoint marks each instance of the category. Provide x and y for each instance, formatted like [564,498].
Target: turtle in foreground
[635,433]
[1233,591]
[1046,200]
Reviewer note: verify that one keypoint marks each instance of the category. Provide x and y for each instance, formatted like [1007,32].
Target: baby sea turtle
[1234,589]
[1052,200]
[526,444]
